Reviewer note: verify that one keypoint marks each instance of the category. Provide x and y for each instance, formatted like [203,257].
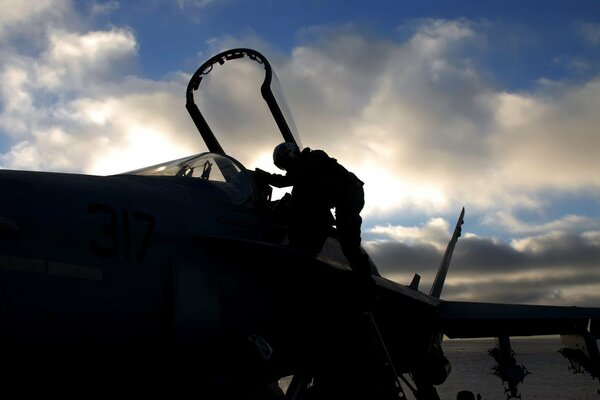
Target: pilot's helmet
[285,154]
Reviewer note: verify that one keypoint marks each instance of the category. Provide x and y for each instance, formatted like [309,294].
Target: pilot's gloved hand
[262,175]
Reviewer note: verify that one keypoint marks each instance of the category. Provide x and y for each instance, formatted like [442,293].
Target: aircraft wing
[473,320]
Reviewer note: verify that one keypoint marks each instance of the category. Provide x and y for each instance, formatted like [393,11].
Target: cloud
[435,233]
[104,8]
[436,37]
[590,31]
[554,268]
[426,111]
[193,3]
[68,106]
[411,110]
[74,59]
[108,134]
[418,120]
[514,225]
[544,141]
[18,15]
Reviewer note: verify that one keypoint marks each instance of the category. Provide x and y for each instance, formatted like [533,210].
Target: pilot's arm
[276,180]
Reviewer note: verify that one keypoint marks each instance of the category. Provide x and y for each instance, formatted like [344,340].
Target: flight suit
[320,183]
[345,367]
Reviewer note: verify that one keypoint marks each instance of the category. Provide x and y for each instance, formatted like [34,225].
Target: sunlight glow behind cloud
[155,144]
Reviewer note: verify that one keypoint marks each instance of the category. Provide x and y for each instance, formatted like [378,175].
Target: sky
[435,105]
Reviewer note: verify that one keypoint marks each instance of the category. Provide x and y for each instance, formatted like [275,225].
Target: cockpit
[215,174]
[219,174]
[222,176]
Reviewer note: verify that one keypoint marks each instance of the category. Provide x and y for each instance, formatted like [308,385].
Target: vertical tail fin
[438,283]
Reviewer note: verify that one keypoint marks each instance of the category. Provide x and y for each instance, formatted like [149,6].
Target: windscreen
[220,176]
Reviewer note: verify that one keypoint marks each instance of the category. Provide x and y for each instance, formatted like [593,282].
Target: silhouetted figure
[320,183]
[346,363]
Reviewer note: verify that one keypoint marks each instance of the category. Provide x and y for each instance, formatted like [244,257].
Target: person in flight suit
[320,183]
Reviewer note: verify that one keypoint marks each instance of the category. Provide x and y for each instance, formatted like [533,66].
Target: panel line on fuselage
[52,268]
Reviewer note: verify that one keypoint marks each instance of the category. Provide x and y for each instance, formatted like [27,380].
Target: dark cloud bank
[557,270]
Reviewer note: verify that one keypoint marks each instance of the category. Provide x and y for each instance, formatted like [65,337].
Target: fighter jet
[179,276]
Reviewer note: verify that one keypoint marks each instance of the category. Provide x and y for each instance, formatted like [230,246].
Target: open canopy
[270,92]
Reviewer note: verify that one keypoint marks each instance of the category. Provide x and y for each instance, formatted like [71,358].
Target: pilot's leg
[348,223]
